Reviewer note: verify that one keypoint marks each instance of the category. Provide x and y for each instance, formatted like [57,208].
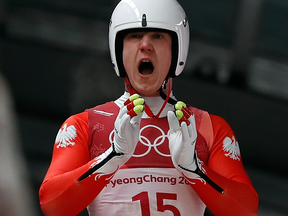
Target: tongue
[146,71]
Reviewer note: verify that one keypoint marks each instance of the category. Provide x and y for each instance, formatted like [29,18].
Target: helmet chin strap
[165,97]
[129,87]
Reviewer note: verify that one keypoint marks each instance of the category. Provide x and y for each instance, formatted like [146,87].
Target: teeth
[145,61]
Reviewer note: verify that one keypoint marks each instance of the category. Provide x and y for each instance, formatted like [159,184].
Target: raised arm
[61,193]
[73,180]
[222,184]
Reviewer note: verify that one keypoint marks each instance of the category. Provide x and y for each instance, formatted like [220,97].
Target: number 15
[144,202]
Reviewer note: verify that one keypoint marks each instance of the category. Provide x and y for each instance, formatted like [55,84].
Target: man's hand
[127,125]
[182,137]
[126,136]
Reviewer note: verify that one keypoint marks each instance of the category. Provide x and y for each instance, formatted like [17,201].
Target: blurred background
[55,61]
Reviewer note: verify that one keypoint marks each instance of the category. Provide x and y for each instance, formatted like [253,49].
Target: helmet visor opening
[119,48]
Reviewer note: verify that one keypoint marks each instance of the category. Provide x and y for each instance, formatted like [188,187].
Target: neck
[155,104]
[158,106]
[168,87]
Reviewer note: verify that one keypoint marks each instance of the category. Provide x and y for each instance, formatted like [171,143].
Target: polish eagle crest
[231,147]
[65,136]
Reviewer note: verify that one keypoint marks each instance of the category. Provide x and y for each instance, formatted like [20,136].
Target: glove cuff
[107,163]
[195,167]
[196,171]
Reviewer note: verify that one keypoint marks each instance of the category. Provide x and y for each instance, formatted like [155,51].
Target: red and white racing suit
[148,184]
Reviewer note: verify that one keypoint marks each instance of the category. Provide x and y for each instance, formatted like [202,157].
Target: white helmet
[165,15]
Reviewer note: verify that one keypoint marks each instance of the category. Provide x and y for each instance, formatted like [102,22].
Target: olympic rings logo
[146,142]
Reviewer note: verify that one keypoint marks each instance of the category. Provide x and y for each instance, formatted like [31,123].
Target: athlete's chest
[152,149]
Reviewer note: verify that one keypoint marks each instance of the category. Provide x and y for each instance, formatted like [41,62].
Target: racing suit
[148,183]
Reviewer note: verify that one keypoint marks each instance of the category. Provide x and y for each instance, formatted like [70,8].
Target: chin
[147,90]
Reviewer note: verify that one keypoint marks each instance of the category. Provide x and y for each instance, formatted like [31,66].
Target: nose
[146,43]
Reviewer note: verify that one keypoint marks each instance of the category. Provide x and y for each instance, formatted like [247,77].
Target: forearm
[235,198]
[71,192]
[65,195]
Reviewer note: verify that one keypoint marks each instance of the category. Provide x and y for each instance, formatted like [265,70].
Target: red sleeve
[225,168]
[61,193]
[225,157]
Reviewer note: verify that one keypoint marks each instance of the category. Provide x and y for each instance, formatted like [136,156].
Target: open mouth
[146,67]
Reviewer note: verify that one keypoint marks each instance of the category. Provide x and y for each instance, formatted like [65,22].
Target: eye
[158,36]
[134,35]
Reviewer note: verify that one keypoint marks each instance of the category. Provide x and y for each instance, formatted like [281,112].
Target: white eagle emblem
[232,148]
[65,136]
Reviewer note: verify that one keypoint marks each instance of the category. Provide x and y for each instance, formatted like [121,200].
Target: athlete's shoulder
[219,122]
[104,108]
[78,118]
[77,122]
[216,121]
[197,112]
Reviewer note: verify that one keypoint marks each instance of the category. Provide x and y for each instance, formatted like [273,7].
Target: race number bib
[147,192]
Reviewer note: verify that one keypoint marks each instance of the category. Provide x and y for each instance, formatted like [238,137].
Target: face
[147,59]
